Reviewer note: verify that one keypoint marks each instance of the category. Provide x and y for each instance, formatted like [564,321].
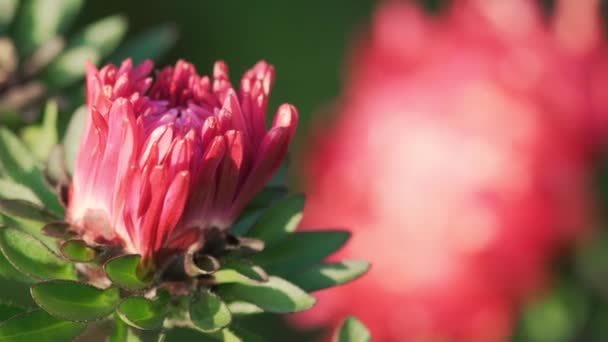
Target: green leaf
[240,308]
[29,255]
[280,178]
[143,313]
[122,332]
[326,275]
[181,334]
[92,44]
[20,166]
[9,310]
[12,190]
[126,271]
[267,197]
[41,20]
[56,171]
[7,270]
[150,44]
[26,210]
[7,11]
[245,222]
[75,301]
[240,272]
[208,312]
[71,139]
[39,326]
[300,249]
[40,139]
[277,295]
[279,220]
[77,250]
[352,330]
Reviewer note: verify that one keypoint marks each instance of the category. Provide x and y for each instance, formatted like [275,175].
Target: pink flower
[162,160]
[459,158]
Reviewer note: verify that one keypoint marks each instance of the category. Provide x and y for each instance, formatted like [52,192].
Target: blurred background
[463,142]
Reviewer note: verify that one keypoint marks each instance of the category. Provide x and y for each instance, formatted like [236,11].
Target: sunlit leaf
[75,301]
[279,220]
[208,312]
[27,254]
[41,20]
[352,330]
[39,326]
[276,295]
[92,44]
[326,275]
[126,271]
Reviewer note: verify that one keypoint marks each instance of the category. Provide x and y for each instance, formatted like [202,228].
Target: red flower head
[458,158]
[162,160]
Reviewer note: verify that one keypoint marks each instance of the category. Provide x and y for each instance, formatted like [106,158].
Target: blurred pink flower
[162,160]
[459,159]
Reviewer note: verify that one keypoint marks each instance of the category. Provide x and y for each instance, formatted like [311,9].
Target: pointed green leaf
[150,44]
[279,220]
[326,275]
[9,310]
[71,139]
[208,312]
[300,249]
[352,330]
[240,272]
[32,257]
[276,295]
[7,11]
[126,271]
[75,301]
[92,44]
[41,20]
[240,308]
[143,313]
[39,326]
[40,139]
[77,250]
[12,190]
[20,166]
[26,210]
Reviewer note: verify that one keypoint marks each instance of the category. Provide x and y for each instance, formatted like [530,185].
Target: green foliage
[30,256]
[143,313]
[75,301]
[300,249]
[38,326]
[42,20]
[208,312]
[326,275]
[240,272]
[21,167]
[92,44]
[352,330]
[126,272]
[77,250]
[276,295]
[41,138]
[279,220]
[9,310]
